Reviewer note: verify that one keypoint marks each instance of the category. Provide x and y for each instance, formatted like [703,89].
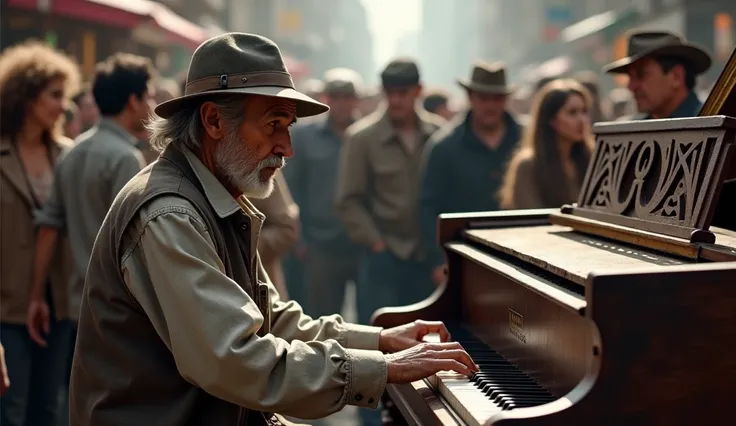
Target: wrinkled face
[488,108]
[401,101]
[342,106]
[653,88]
[250,153]
[573,120]
[46,109]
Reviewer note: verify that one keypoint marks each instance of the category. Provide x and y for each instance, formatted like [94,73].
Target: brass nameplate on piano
[516,325]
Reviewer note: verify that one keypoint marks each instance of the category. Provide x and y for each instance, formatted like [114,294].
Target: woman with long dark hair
[35,83]
[549,167]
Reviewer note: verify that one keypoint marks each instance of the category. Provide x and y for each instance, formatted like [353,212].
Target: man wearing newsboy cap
[179,323]
[662,68]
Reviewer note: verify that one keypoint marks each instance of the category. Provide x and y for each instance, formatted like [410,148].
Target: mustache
[273,160]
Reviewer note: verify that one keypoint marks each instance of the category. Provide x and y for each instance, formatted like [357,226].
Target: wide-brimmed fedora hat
[642,44]
[240,63]
[488,78]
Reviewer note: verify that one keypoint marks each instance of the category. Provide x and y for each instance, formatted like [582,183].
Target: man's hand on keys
[408,335]
[421,349]
[426,359]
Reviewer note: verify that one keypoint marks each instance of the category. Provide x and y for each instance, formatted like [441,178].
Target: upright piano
[617,310]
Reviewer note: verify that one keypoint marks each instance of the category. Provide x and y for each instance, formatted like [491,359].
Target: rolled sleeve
[209,323]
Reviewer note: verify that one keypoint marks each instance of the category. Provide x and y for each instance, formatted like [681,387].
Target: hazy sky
[389,20]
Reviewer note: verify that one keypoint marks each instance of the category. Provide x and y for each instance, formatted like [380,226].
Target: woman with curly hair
[35,83]
[549,167]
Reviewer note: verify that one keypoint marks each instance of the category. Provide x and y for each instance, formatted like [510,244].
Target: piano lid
[568,254]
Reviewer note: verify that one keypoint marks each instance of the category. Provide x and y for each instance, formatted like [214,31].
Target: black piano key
[498,379]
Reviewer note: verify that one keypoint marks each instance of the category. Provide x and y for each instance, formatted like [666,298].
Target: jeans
[37,374]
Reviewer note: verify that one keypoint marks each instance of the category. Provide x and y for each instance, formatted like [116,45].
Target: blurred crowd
[358,202]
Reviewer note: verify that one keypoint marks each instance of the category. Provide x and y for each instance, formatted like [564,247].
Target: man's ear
[211,120]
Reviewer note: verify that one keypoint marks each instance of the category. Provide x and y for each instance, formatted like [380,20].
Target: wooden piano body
[622,306]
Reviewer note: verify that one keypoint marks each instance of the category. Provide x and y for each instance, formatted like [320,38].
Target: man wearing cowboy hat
[179,323]
[662,68]
[464,162]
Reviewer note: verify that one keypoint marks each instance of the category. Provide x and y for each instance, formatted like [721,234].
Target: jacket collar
[218,196]
[12,168]
[690,107]
[464,130]
[385,129]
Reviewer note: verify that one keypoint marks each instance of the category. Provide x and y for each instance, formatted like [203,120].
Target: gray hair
[185,129]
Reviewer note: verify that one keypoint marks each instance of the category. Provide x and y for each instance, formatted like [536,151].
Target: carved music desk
[617,310]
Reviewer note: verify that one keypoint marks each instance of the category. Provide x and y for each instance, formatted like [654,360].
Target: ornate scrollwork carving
[649,178]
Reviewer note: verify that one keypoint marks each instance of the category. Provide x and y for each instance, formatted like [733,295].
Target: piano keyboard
[498,386]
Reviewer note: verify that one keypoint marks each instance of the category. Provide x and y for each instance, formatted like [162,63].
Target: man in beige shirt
[179,323]
[376,196]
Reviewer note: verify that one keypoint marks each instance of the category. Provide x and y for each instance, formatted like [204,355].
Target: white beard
[237,162]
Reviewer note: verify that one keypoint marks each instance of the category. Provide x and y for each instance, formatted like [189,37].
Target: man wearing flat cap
[376,192]
[179,323]
[464,163]
[331,259]
[662,68]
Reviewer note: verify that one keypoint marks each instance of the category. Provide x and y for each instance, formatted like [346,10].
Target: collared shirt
[378,183]
[86,182]
[462,174]
[280,230]
[312,177]
[302,369]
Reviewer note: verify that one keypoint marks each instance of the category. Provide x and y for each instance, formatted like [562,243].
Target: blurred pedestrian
[35,83]
[72,121]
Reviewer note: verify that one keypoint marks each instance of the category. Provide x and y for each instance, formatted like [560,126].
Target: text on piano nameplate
[516,325]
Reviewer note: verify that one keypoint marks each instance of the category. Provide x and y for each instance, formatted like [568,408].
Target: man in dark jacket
[464,162]
[662,68]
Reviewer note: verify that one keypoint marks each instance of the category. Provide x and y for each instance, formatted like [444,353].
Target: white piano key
[470,404]
[432,338]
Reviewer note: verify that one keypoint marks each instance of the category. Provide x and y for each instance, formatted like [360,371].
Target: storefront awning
[131,14]
[613,21]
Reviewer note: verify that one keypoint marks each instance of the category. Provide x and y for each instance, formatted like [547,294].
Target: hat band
[237,81]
